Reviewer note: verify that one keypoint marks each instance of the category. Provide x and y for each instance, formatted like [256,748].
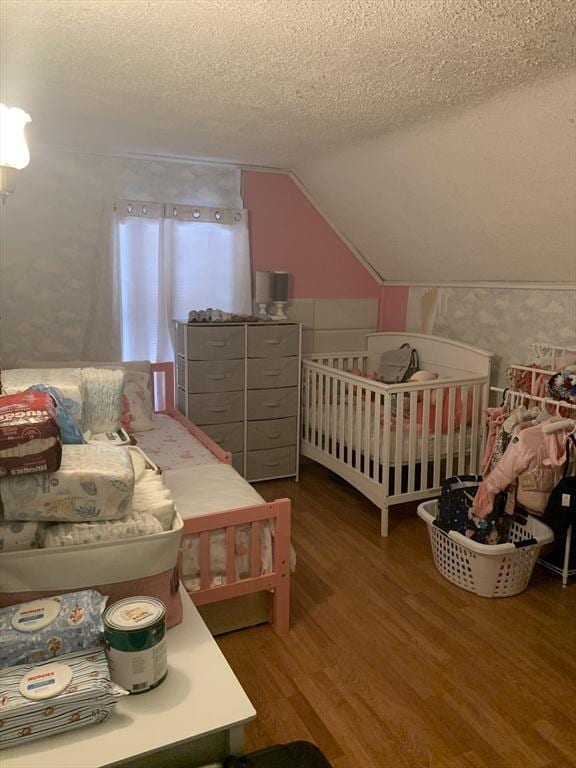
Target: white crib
[396,442]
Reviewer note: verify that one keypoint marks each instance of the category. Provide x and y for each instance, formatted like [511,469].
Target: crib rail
[394,442]
[277,581]
[343,361]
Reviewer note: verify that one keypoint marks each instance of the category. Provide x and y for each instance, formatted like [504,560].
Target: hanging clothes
[535,457]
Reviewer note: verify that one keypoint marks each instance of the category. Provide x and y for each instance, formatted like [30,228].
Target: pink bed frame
[278,512]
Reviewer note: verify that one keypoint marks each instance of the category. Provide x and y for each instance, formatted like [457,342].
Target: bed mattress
[169,445]
[207,490]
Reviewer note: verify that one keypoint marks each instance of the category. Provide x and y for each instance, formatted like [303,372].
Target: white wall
[485,194]
[53,233]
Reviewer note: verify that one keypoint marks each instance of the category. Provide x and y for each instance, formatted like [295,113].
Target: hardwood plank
[389,665]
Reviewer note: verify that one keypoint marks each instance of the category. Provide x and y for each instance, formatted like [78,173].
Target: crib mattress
[346,434]
[207,490]
[169,445]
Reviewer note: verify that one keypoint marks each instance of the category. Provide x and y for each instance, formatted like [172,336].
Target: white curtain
[172,259]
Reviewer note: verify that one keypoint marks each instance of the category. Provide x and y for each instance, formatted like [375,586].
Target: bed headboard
[444,356]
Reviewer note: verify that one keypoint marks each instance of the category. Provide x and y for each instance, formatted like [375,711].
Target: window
[172,259]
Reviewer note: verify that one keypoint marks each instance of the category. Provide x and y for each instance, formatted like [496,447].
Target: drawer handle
[220,409]
[271,405]
[272,341]
[216,376]
[271,463]
[274,435]
[272,373]
[216,343]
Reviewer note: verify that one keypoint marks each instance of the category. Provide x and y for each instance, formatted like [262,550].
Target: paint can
[135,633]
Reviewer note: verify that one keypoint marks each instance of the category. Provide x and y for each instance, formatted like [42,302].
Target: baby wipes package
[43,629]
[40,700]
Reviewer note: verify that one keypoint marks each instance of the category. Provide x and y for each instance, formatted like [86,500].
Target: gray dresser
[241,384]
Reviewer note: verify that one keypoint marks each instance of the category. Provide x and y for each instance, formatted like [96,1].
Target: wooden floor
[388,665]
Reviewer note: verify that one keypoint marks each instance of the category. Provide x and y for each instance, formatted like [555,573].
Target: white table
[196,716]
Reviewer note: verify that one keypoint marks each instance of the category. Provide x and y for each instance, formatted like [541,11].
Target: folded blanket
[103,389]
[89,697]
[94,482]
[70,534]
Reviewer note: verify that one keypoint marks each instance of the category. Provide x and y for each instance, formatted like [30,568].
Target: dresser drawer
[274,463]
[265,372]
[211,375]
[272,403]
[238,463]
[274,433]
[230,437]
[217,408]
[273,340]
[218,342]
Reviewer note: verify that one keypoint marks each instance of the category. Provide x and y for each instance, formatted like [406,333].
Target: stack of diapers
[17,536]
[68,381]
[55,674]
[94,482]
[101,493]
[29,435]
[151,496]
[103,388]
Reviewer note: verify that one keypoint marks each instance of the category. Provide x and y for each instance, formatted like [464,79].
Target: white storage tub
[498,570]
[145,565]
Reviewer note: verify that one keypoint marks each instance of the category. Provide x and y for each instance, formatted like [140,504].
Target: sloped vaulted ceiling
[273,82]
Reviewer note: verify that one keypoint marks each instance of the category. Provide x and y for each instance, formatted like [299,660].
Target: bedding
[93,483]
[347,419]
[170,445]
[137,408]
[203,490]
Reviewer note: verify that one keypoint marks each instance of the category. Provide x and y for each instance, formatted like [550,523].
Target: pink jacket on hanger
[536,459]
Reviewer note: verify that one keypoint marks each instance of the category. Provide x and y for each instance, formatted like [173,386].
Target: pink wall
[392,308]
[288,233]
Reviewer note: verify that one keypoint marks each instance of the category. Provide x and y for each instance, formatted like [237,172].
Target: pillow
[137,409]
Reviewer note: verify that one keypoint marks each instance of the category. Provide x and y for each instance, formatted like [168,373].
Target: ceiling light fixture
[14,154]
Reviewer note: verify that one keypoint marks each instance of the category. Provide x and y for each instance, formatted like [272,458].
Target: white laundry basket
[488,570]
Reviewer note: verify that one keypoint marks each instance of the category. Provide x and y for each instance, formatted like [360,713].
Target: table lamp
[263,293]
[279,295]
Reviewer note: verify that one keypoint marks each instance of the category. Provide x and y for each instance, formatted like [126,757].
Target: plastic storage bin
[499,570]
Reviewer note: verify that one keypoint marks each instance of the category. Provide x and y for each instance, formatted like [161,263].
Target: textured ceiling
[268,82]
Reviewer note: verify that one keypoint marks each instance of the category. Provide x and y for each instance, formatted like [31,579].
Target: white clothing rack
[516,398]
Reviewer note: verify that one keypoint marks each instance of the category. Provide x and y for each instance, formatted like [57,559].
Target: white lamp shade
[13,148]
[263,287]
